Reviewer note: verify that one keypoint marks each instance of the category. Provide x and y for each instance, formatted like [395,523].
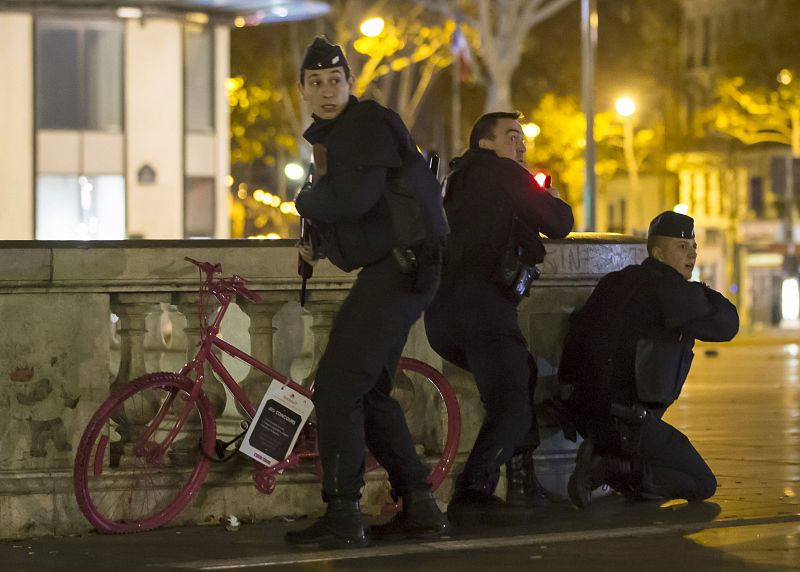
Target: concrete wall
[62,354]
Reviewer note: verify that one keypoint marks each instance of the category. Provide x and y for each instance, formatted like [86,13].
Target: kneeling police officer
[626,357]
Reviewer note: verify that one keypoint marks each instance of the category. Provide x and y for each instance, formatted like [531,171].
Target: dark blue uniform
[651,301]
[472,321]
[377,194]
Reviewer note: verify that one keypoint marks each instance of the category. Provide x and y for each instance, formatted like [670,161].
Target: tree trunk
[498,96]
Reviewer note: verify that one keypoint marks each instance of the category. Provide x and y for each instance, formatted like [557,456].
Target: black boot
[341,527]
[420,518]
[471,508]
[522,486]
[592,471]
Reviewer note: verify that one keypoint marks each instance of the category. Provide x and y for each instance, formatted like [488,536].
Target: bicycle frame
[205,353]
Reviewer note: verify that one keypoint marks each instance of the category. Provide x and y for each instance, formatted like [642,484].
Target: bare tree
[503,26]
[397,67]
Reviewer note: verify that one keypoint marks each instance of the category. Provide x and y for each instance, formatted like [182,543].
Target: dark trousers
[672,467]
[475,327]
[676,470]
[352,398]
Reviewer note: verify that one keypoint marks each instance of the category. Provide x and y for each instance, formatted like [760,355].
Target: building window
[690,44]
[80,208]
[757,196]
[198,208]
[198,79]
[78,75]
[706,53]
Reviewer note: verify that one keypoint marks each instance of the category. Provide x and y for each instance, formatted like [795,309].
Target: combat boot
[419,518]
[593,470]
[471,508]
[522,486]
[341,527]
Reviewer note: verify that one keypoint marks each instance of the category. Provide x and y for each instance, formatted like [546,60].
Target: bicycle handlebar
[234,283]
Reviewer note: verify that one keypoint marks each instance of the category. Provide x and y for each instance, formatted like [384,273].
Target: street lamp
[372,27]
[531,131]
[294,171]
[626,108]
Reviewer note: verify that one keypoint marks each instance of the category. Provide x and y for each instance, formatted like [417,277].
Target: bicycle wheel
[138,465]
[432,413]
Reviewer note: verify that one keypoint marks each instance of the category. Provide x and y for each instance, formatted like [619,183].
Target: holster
[516,269]
[628,420]
[422,262]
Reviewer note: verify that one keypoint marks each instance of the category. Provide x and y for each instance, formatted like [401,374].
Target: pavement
[741,409]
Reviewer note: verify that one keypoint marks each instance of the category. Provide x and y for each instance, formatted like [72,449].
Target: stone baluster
[262,333]
[132,310]
[323,308]
[187,303]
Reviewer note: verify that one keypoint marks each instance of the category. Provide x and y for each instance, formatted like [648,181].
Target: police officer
[495,211]
[627,355]
[377,208]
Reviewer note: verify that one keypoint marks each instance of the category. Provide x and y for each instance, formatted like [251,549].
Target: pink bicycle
[148,448]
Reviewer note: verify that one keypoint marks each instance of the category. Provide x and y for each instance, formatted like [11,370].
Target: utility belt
[516,269]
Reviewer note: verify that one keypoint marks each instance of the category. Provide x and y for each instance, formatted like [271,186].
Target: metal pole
[633,176]
[788,232]
[456,110]
[588,49]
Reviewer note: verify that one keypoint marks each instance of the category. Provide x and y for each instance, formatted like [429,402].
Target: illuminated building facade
[114,117]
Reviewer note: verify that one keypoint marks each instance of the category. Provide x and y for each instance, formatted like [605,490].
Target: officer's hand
[306,253]
[553,192]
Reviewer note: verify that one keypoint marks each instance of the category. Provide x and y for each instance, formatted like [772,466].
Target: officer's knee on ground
[707,487]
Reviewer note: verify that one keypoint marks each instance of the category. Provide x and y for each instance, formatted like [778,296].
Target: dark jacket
[483,193]
[378,192]
[650,301]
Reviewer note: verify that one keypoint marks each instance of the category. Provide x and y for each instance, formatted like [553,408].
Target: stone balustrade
[80,318]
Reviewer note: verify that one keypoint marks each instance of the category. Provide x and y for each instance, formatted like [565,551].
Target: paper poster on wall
[279,419]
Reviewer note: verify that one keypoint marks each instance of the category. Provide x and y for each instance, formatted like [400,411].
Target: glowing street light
[373,27]
[681,208]
[785,76]
[531,130]
[625,106]
[294,171]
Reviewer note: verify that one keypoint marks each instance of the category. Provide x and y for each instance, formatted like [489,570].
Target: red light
[542,179]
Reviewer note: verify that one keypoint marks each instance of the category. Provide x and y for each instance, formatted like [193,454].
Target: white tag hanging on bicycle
[279,419]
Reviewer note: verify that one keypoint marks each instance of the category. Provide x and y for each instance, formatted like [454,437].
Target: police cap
[670,223]
[321,54]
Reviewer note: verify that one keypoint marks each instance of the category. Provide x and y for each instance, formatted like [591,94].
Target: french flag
[462,57]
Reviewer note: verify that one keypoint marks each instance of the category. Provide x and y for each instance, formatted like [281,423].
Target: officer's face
[680,253]
[508,141]
[326,91]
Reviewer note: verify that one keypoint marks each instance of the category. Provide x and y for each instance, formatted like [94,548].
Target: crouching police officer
[627,355]
[376,207]
[495,211]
